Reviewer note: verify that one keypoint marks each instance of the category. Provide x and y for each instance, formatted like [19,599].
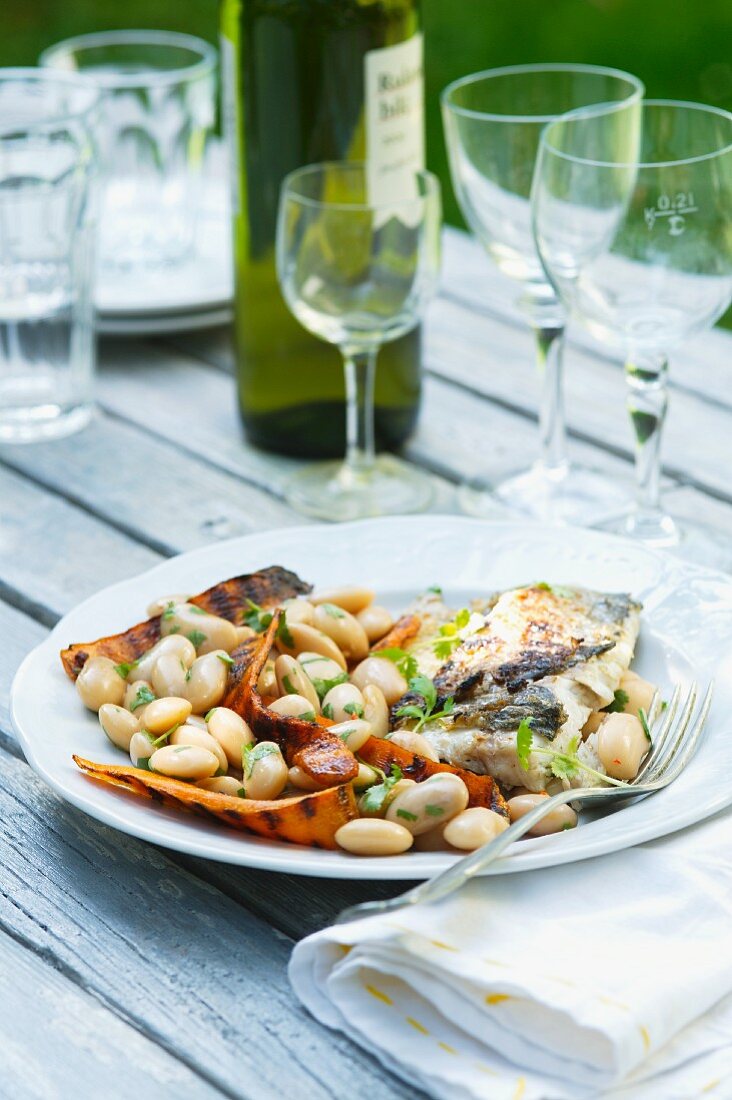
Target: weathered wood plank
[20,634]
[58,1041]
[54,554]
[188,967]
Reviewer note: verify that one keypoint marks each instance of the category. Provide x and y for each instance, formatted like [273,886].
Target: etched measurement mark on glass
[675,208]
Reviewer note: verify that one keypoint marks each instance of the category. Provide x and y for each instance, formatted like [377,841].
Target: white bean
[244,634]
[267,682]
[192,735]
[169,675]
[184,762]
[206,632]
[307,639]
[384,674]
[323,673]
[365,778]
[342,702]
[141,749]
[197,720]
[222,784]
[621,745]
[640,692]
[430,803]
[298,610]
[163,714]
[304,782]
[99,682]
[376,621]
[293,680]
[354,734]
[474,827]
[174,645]
[375,710]
[231,732]
[294,706]
[563,817]
[138,695]
[157,607]
[118,724]
[344,629]
[367,809]
[373,837]
[265,771]
[351,598]
[205,683]
[415,743]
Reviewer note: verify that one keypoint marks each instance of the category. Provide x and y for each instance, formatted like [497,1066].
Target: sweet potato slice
[404,631]
[483,789]
[309,819]
[268,588]
[311,746]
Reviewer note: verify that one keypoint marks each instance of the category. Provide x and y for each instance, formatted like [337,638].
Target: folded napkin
[611,977]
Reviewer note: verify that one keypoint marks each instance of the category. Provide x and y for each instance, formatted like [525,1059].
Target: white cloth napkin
[611,977]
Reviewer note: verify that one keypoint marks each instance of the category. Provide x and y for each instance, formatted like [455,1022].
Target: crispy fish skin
[267,587]
[320,753]
[550,656]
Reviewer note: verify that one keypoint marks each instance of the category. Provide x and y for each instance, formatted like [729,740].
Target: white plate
[686,633]
[159,324]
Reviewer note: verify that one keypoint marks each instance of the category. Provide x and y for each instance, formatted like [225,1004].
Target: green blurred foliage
[679,48]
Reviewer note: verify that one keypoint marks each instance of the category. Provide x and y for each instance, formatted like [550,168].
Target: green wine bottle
[307,81]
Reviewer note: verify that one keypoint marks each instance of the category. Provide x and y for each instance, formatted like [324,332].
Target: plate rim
[292,859]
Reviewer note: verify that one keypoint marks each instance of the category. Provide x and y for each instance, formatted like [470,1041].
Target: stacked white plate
[195,294]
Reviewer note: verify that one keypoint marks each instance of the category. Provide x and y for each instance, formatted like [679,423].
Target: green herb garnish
[197,637]
[435,589]
[283,631]
[434,811]
[333,611]
[373,801]
[406,815]
[256,617]
[523,742]
[354,709]
[423,686]
[143,697]
[449,635]
[169,610]
[644,722]
[327,710]
[619,703]
[196,610]
[225,659]
[405,662]
[254,752]
[563,765]
[125,669]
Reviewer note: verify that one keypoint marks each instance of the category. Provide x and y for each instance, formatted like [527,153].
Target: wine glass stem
[360,368]
[647,402]
[552,432]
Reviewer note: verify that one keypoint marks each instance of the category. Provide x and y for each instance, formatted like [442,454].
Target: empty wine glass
[493,122]
[357,274]
[633,222]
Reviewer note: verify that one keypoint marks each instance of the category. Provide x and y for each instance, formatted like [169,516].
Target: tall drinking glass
[46,254]
[633,221]
[493,122]
[157,110]
[357,274]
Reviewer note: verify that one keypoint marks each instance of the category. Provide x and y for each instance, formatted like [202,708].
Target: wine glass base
[695,542]
[569,494]
[330,491]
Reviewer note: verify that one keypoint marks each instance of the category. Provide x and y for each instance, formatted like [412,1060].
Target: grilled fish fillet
[551,655]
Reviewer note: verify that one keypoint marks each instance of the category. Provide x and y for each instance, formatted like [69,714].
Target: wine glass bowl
[357,274]
[633,222]
[493,123]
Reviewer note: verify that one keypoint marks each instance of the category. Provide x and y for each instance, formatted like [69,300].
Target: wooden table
[129,971]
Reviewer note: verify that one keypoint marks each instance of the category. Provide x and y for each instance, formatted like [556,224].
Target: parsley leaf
[374,800]
[524,738]
[125,668]
[169,611]
[327,709]
[283,631]
[354,709]
[435,589]
[405,662]
[449,637]
[256,617]
[197,637]
[644,722]
[225,659]
[406,815]
[196,610]
[143,697]
[619,703]
[434,811]
[253,752]
[423,686]
[333,611]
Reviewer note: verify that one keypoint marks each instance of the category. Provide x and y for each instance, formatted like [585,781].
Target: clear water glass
[157,111]
[47,351]
[493,122]
[633,221]
[357,274]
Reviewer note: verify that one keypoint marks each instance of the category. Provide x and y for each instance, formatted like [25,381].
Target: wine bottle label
[394,87]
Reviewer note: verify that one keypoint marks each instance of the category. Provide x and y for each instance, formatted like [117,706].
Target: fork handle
[460,872]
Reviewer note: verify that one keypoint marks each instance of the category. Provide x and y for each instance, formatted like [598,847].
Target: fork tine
[659,739]
[670,748]
[691,741]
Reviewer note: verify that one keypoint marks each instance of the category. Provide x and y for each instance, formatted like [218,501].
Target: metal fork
[676,733]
